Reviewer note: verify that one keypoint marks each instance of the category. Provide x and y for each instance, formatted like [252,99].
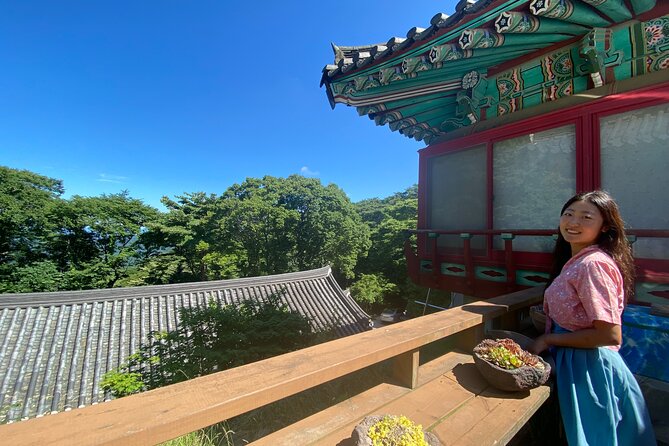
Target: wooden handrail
[168,412]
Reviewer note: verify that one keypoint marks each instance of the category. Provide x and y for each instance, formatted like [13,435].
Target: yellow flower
[394,430]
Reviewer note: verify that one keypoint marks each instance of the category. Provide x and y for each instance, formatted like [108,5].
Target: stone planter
[360,435]
[522,378]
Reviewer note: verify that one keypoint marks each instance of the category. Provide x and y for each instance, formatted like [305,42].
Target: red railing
[429,249]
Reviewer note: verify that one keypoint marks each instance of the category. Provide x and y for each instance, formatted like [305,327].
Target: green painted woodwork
[530,278]
[641,6]
[448,52]
[615,9]
[425,266]
[453,269]
[593,48]
[520,22]
[428,91]
[643,290]
[656,32]
[567,10]
[415,71]
[487,38]
[490,273]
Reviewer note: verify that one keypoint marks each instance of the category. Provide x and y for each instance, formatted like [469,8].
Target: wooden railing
[159,415]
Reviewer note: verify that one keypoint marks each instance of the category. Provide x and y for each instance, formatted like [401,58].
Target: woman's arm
[600,335]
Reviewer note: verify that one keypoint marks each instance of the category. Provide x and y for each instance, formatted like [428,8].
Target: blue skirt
[600,400]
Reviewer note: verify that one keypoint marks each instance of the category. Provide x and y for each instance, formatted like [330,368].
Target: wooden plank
[323,423]
[427,404]
[491,418]
[442,366]
[165,413]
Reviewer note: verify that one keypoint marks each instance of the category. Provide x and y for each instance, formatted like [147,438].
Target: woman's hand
[601,334]
[539,345]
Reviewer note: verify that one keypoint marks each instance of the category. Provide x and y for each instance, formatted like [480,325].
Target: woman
[593,275]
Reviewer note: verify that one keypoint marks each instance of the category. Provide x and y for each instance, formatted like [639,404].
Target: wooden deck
[451,399]
[168,412]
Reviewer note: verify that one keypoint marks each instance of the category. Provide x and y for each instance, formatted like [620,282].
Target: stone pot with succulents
[506,366]
[391,430]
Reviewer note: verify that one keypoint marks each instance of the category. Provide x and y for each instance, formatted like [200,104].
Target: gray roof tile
[56,347]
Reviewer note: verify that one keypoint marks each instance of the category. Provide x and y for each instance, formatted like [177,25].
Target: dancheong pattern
[510,87]
[656,34]
[558,70]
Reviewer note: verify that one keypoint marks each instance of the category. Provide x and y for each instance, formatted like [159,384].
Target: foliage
[49,244]
[99,238]
[26,204]
[262,226]
[293,224]
[122,383]
[38,276]
[211,339]
[388,220]
[370,289]
[396,431]
[216,435]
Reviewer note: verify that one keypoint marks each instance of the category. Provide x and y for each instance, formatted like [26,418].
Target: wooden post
[508,257]
[405,368]
[469,261]
[436,267]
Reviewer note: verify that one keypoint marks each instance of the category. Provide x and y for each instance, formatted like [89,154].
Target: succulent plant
[507,354]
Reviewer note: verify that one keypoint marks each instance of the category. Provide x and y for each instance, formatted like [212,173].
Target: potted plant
[505,365]
[391,430]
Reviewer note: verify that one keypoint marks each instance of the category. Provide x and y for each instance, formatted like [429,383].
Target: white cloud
[106,178]
[308,172]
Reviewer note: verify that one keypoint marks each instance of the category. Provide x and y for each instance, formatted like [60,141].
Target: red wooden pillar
[469,260]
[508,260]
[436,267]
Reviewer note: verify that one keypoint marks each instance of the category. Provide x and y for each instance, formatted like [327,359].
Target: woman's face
[580,225]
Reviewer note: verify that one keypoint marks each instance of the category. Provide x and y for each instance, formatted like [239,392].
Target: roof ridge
[106,294]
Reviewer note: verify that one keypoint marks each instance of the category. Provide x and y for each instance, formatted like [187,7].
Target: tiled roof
[55,347]
[348,58]
[438,79]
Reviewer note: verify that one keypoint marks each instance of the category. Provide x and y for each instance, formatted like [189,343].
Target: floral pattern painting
[656,33]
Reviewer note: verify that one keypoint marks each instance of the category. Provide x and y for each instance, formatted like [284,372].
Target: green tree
[370,291]
[212,339]
[37,276]
[185,244]
[99,239]
[388,220]
[291,224]
[26,204]
[262,226]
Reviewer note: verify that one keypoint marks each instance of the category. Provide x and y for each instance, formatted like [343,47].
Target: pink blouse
[589,288]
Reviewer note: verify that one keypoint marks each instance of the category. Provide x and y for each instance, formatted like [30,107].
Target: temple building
[521,104]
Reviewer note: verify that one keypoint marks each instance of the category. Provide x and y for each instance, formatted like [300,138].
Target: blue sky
[166,97]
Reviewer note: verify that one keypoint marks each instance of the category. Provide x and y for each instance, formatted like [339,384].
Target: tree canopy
[262,226]
[383,277]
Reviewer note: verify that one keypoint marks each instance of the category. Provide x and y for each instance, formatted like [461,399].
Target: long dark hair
[613,241]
